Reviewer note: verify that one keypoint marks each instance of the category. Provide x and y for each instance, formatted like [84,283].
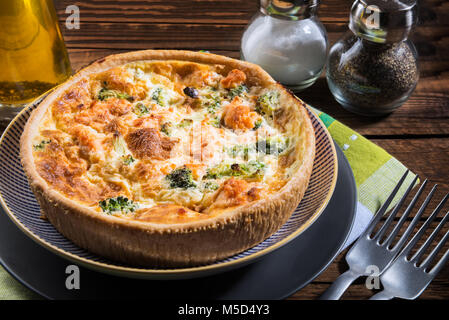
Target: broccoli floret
[181,178]
[159,97]
[215,122]
[242,151]
[140,109]
[257,124]
[219,171]
[41,145]
[270,146]
[210,186]
[249,170]
[253,169]
[118,204]
[128,159]
[212,102]
[185,123]
[105,94]
[167,128]
[268,103]
[237,91]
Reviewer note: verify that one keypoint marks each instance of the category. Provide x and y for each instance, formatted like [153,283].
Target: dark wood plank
[431,40]
[431,37]
[180,11]
[134,36]
[82,57]
[218,11]
[160,11]
[437,290]
[427,157]
[425,113]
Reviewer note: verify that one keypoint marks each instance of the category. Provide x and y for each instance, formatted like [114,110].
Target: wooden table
[417,134]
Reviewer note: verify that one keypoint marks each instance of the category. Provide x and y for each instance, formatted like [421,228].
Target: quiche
[167,158]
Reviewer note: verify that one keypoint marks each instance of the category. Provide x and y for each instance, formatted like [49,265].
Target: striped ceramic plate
[20,205]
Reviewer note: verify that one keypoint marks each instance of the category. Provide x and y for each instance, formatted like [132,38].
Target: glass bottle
[33,56]
[288,41]
[373,69]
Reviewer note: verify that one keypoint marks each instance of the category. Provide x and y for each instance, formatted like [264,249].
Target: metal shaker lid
[383,21]
[290,9]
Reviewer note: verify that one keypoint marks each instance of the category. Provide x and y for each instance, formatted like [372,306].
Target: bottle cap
[383,21]
[290,9]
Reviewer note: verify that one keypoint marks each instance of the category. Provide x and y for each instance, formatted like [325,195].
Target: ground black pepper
[372,78]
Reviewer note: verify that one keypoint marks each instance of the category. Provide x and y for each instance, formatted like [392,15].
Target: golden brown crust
[190,243]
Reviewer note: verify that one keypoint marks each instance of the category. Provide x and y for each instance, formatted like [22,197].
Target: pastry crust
[144,243]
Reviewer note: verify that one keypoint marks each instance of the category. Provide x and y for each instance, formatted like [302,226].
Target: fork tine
[423,228]
[440,263]
[429,240]
[379,214]
[415,220]
[395,211]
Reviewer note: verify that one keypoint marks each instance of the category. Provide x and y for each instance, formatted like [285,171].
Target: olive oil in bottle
[33,56]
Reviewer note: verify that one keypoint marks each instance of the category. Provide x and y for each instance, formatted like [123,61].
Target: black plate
[276,276]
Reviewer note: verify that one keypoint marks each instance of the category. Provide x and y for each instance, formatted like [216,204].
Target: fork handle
[336,290]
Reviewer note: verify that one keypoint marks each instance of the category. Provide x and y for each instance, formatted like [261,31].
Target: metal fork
[369,251]
[407,278]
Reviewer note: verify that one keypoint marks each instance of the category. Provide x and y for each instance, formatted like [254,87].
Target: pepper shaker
[373,69]
[287,39]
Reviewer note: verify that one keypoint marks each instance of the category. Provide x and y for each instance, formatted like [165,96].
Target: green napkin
[11,289]
[375,171]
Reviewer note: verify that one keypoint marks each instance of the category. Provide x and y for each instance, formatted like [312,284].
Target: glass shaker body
[372,79]
[33,56]
[373,69]
[292,51]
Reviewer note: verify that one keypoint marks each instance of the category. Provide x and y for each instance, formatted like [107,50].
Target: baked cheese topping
[165,142]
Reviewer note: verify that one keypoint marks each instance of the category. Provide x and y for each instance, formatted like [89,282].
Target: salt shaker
[287,40]
[373,69]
